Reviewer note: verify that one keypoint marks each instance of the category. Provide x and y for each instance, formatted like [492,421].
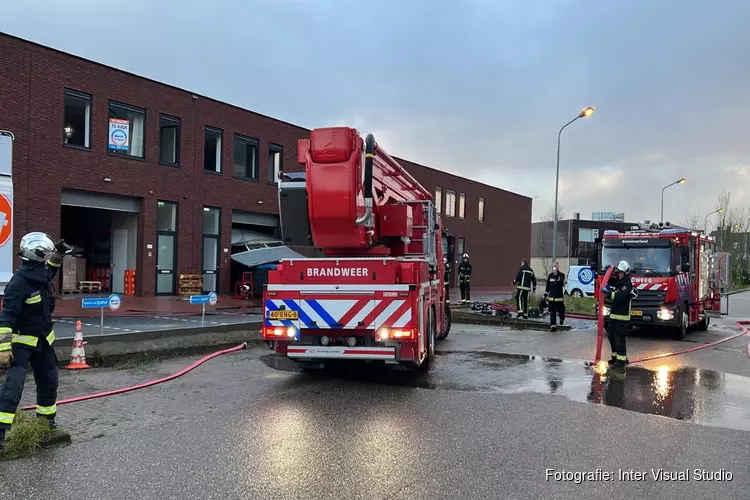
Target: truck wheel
[681,331]
[577,293]
[427,362]
[447,322]
[704,323]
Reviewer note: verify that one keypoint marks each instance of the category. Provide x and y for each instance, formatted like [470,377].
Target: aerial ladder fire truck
[677,273]
[377,293]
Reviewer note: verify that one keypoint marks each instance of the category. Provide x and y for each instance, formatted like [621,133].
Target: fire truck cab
[677,273]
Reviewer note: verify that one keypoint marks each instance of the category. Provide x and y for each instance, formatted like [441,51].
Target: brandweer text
[336,271]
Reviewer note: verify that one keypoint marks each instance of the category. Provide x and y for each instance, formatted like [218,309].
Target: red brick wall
[495,246]
[32,83]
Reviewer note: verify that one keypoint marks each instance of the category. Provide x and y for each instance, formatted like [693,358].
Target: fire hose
[123,390]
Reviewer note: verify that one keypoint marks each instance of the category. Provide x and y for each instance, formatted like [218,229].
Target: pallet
[90,286]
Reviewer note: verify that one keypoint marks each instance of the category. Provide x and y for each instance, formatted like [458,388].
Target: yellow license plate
[283,315]
[636,313]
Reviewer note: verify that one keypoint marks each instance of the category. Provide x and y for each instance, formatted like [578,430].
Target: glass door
[166,247]
[210,261]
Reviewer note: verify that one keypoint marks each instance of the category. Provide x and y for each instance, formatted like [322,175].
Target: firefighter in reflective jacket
[620,292]
[464,279]
[553,294]
[26,333]
[525,282]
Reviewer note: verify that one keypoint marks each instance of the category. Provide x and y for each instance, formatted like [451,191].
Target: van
[580,281]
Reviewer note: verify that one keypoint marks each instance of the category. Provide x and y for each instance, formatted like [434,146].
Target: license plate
[283,315]
[636,313]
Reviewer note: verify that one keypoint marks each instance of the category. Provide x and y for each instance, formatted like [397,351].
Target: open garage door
[104,229]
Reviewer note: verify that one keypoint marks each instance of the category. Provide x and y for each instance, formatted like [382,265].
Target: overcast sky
[479,90]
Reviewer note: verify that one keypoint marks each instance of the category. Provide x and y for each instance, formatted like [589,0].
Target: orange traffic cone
[78,354]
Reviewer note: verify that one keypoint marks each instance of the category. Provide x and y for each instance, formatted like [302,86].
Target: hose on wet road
[151,383]
[742,325]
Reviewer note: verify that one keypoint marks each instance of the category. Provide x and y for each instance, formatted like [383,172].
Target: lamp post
[681,181]
[583,114]
[705,220]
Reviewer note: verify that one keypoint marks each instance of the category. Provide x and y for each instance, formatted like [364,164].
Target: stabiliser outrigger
[377,295]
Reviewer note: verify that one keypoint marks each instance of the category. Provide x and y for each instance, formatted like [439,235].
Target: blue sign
[113,302]
[211,299]
[585,275]
[199,299]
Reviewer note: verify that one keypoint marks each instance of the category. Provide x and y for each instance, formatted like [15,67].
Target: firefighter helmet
[36,247]
[466,256]
[623,266]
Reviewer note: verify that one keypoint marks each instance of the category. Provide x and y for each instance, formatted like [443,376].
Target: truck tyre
[577,293]
[704,323]
[681,331]
[447,323]
[427,362]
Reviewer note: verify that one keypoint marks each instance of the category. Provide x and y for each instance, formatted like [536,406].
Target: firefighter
[525,282]
[553,294]
[621,292]
[464,279]
[26,333]
[447,278]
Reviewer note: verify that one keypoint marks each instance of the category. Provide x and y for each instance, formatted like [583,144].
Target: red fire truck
[377,294]
[677,272]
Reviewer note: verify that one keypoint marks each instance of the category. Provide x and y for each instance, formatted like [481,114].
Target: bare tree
[544,237]
[693,221]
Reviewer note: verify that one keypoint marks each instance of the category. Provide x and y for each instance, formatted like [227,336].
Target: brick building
[146,176]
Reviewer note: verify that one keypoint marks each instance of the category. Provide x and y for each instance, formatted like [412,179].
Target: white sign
[212,298]
[114,302]
[119,134]
[6,154]
[6,210]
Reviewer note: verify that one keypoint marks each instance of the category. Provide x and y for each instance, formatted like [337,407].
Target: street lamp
[681,181]
[705,220]
[583,114]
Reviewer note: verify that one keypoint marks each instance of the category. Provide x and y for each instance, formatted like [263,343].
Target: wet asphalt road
[65,327]
[481,425]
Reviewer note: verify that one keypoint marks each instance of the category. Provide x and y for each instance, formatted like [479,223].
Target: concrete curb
[105,350]
[735,292]
[462,317]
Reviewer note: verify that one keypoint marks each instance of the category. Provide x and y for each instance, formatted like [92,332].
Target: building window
[77,119]
[450,203]
[481,209]
[275,166]
[462,205]
[461,249]
[169,140]
[439,200]
[211,232]
[245,157]
[212,151]
[127,127]
[586,235]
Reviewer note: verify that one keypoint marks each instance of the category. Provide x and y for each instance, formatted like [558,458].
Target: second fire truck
[677,272]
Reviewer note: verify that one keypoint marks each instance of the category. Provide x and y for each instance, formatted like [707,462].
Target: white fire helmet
[36,247]
[623,266]
[466,256]
[445,260]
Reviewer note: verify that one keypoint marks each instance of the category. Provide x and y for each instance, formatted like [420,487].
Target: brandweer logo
[336,272]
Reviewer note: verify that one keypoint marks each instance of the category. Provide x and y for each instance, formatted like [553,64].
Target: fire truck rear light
[271,332]
[382,334]
[291,332]
[351,341]
[403,334]
[325,340]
